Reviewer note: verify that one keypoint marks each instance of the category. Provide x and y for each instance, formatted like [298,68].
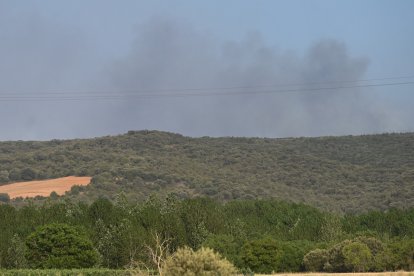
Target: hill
[350,173]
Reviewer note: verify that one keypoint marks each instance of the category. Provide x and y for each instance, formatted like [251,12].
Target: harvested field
[397,273]
[44,187]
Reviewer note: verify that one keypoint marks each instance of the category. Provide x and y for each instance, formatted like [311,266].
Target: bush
[186,262]
[4,176]
[4,197]
[60,246]
[403,254]
[357,256]
[315,260]
[28,174]
[380,253]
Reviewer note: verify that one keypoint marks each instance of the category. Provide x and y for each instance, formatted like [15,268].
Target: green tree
[227,246]
[331,230]
[262,256]
[16,253]
[292,254]
[102,209]
[201,217]
[111,242]
[60,246]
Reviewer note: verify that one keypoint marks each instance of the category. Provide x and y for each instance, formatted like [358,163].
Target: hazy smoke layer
[169,57]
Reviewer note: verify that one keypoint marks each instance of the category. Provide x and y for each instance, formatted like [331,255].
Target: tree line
[254,235]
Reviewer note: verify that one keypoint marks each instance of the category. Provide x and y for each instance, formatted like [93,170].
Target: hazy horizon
[264,69]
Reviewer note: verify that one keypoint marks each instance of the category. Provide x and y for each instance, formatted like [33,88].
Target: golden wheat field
[397,273]
[44,187]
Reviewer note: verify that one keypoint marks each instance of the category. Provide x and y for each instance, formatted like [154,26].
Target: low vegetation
[203,262]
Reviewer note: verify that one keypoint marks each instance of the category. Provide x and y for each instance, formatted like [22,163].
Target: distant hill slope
[352,173]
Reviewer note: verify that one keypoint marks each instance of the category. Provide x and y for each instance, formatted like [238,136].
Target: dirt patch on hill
[44,187]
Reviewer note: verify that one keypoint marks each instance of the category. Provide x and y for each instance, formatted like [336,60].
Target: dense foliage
[60,246]
[349,173]
[258,235]
[70,272]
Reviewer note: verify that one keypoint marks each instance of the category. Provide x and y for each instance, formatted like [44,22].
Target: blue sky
[93,45]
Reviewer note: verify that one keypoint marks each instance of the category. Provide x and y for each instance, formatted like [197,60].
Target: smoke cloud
[169,57]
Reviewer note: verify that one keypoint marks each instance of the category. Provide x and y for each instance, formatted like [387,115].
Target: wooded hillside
[352,173]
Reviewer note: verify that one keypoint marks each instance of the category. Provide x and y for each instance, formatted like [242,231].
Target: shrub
[402,254]
[380,254]
[315,260]
[357,256]
[336,262]
[28,174]
[4,176]
[4,197]
[186,262]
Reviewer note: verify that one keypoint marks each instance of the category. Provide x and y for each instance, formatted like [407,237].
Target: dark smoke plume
[170,56]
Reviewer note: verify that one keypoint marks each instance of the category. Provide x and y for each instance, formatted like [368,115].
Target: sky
[88,68]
